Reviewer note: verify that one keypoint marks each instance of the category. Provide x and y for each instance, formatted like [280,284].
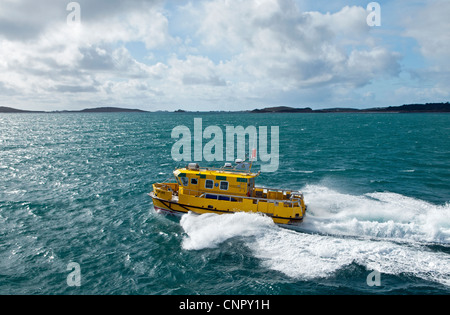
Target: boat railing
[223,169]
[279,190]
[268,189]
[291,202]
[169,186]
[295,196]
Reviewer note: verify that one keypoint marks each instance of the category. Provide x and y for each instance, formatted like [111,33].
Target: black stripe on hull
[169,208]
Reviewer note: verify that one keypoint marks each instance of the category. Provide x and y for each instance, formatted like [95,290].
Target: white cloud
[195,70]
[430,26]
[222,53]
[46,56]
[273,46]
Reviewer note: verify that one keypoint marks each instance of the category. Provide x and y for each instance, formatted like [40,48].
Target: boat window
[209,184]
[185,181]
[223,185]
[194,181]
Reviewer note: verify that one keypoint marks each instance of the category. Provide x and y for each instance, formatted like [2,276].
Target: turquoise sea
[73,189]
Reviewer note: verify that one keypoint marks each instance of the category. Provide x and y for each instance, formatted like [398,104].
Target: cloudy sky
[222,54]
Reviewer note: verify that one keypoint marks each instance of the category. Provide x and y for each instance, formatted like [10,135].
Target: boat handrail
[279,189]
[223,170]
[290,201]
[164,185]
[256,187]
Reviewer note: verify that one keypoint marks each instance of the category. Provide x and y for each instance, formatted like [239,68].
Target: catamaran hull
[176,209]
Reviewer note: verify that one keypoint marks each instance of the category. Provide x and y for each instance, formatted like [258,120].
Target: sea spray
[308,256]
[385,232]
[379,215]
[209,230]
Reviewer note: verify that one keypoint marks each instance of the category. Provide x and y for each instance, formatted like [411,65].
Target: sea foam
[385,232]
[378,215]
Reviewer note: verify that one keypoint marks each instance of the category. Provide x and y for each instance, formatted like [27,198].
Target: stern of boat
[165,191]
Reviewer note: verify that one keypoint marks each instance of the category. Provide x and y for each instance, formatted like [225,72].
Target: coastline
[411,108]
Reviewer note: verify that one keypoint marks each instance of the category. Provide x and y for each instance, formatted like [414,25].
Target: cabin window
[209,184]
[185,181]
[225,198]
[223,185]
[194,181]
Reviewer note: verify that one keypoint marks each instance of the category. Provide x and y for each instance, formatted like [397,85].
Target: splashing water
[380,215]
[380,231]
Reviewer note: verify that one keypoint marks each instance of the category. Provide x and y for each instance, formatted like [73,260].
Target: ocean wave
[379,215]
[340,230]
[310,256]
[210,230]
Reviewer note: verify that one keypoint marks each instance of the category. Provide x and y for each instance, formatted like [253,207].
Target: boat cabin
[195,181]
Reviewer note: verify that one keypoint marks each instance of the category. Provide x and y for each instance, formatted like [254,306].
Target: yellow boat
[226,190]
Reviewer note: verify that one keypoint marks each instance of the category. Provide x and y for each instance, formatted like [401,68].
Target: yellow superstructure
[226,190]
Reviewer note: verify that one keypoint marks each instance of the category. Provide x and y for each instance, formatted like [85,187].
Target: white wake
[385,232]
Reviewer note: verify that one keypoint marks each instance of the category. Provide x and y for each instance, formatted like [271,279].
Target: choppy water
[73,188]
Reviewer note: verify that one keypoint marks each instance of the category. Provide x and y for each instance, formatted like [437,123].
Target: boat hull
[177,209]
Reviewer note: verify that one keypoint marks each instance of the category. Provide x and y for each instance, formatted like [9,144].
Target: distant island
[109,110]
[4,109]
[411,108]
[283,109]
[414,108]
